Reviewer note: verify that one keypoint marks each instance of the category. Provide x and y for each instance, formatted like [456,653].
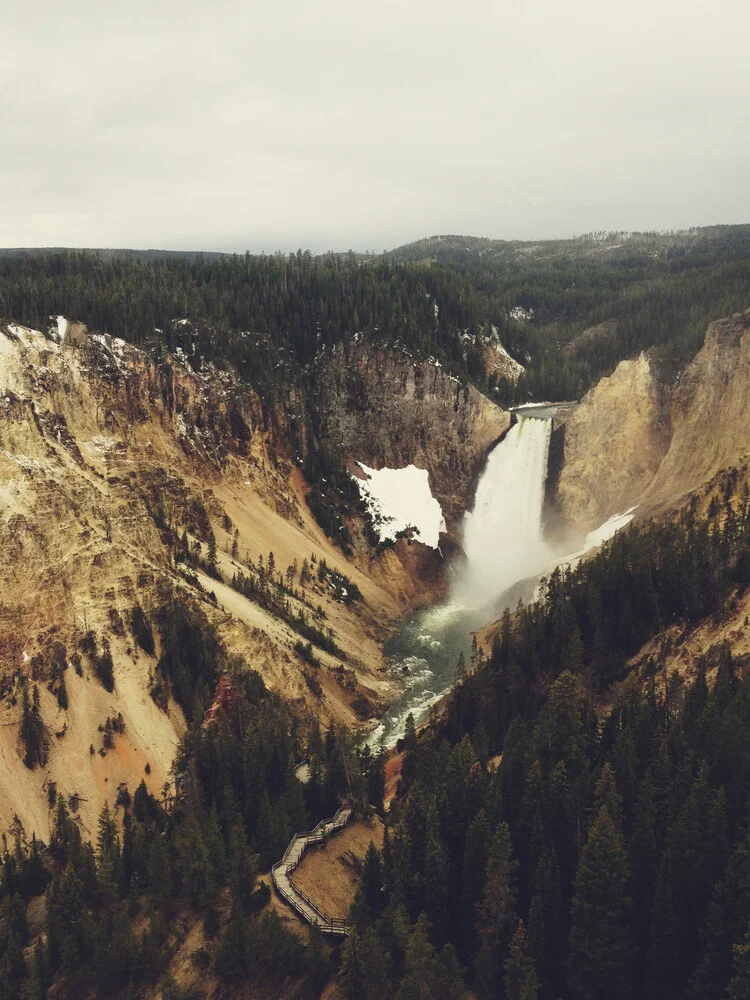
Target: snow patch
[600,535]
[521,315]
[609,529]
[399,499]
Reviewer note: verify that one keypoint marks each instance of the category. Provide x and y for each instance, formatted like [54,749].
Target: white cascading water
[502,535]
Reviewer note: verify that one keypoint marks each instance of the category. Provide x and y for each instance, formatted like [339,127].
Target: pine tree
[194,864]
[496,914]
[41,977]
[159,871]
[214,845]
[62,694]
[211,553]
[643,864]
[33,733]
[739,985]
[600,947]
[105,666]
[243,867]
[473,872]
[547,924]
[448,983]
[727,919]
[606,794]
[232,953]
[435,880]
[521,980]
[369,899]
[108,855]
[28,733]
[410,733]
[421,966]
[362,975]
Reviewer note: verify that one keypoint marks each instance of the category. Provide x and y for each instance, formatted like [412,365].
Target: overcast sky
[332,124]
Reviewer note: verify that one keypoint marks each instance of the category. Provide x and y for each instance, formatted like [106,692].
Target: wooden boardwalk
[282,873]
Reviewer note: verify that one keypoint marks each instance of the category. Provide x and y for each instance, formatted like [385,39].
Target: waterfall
[505,554]
[502,535]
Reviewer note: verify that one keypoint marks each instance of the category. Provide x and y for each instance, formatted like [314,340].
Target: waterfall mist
[502,535]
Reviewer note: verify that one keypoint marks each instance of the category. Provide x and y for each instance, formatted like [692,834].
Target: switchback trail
[283,870]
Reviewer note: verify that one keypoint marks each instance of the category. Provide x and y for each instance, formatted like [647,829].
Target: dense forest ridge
[567,315]
[445,248]
[421,249]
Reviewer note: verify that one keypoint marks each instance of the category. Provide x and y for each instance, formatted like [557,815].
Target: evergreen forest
[569,311]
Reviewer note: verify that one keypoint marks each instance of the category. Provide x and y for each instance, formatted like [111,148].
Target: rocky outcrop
[709,414]
[633,440]
[385,408]
[105,454]
[610,446]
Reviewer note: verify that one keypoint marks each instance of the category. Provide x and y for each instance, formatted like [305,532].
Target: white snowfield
[401,498]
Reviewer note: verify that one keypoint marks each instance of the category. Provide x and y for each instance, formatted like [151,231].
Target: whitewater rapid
[502,534]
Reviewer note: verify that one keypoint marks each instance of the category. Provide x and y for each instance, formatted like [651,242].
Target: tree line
[270,316]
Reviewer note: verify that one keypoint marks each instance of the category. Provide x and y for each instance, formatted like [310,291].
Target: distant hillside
[462,250]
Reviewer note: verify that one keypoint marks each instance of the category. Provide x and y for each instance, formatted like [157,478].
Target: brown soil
[329,874]
[392,776]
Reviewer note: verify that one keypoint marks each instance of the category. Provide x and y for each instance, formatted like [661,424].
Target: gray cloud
[336,124]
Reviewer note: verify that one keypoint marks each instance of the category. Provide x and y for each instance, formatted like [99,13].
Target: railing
[325,829]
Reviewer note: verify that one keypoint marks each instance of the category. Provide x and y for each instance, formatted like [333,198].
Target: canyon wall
[709,414]
[386,408]
[108,455]
[608,448]
[635,440]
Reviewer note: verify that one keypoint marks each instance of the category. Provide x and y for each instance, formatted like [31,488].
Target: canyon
[105,450]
